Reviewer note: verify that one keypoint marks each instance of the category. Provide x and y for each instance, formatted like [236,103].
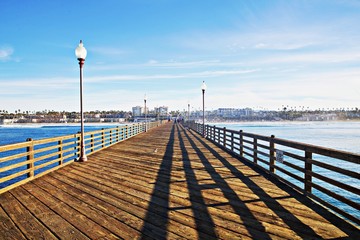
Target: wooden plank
[16,165]
[57,225]
[336,169]
[210,196]
[14,146]
[129,209]
[329,152]
[14,175]
[84,217]
[8,229]
[29,226]
[12,157]
[144,192]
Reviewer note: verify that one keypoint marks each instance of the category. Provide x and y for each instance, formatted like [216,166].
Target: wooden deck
[168,183]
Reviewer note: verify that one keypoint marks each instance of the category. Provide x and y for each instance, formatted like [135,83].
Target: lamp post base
[82,159]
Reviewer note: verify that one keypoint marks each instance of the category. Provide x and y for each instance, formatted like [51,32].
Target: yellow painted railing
[23,162]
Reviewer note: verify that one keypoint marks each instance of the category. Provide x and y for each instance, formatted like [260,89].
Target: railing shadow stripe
[255,228]
[291,220]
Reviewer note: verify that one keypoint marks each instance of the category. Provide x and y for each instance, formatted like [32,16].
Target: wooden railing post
[241,137]
[102,138]
[60,150]
[77,146]
[308,171]
[30,157]
[111,137]
[232,141]
[117,134]
[212,133]
[224,135]
[255,150]
[126,131]
[272,155]
[92,143]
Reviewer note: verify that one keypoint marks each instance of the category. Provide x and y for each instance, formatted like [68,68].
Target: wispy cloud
[282,46]
[168,64]
[5,53]
[203,74]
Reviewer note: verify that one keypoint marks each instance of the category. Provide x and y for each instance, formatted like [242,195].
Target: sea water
[338,135]
[19,133]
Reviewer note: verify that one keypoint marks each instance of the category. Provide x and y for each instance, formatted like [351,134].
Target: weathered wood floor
[168,183]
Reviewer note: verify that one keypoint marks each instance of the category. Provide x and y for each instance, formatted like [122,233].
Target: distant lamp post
[145,99]
[189,111]
[203,88]
[80,53]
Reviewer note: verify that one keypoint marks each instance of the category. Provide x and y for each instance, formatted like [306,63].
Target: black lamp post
[145,98]
[203,88]
[188,111]
[80,53]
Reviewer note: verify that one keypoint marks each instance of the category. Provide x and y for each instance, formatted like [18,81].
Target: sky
[262,54]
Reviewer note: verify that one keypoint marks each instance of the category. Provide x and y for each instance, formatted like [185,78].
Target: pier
[166,183]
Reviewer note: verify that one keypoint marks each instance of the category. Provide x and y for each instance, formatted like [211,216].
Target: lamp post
[145,98]
[189,111]
[80,53]
[203,88]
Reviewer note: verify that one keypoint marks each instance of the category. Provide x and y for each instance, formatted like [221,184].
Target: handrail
[25,161]
[317,172]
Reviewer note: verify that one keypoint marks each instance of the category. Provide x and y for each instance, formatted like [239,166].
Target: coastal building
[234,112]
[137,111]
[162,111]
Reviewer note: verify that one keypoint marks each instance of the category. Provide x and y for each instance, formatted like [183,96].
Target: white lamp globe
[80,51]
[203,86]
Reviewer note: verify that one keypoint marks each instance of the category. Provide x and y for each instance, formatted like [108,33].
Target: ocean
[338,135]
[19,133]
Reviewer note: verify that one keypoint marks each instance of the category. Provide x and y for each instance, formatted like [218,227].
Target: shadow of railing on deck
[254,227]
[203,221]
[291,220]
[161,191]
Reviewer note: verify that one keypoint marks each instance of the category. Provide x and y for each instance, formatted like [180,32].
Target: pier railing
[330,177]
[23,162]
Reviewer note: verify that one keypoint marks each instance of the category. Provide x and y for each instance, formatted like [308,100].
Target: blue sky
[259,54]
